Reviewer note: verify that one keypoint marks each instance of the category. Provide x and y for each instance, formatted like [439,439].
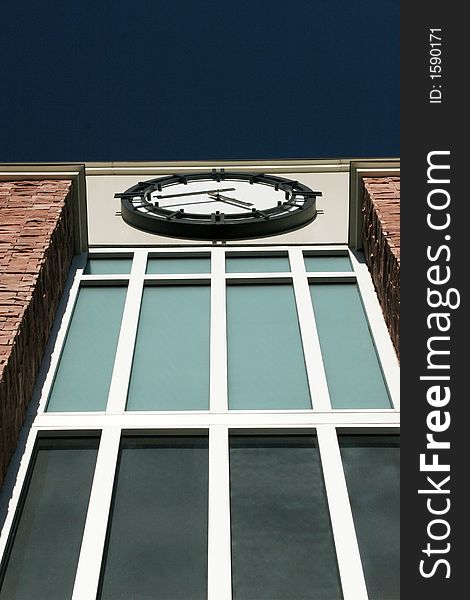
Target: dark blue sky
[198,79]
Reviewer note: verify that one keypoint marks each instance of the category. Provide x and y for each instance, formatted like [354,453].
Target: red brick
[381,244]
[36,247]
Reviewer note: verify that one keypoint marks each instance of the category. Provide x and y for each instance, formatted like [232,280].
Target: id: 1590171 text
[435,65]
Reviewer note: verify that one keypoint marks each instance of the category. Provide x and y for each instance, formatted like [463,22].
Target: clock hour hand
[228,200]
[186,203]
[194,193]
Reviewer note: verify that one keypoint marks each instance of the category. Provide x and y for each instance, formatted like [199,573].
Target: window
[177,264]
[266,366]
[157,538]
[86,364]
[372,468]
[45,545]
[170,369]
[196,395]
[257,263]
[108,265]
[282,542]
[352,369]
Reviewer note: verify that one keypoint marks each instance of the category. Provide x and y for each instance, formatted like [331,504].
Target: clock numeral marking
[260,213]
[217,217]
[175,214]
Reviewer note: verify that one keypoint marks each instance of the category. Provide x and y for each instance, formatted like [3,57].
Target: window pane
[282,543]
[86,365]
[46,545]
[353,372]
[259,264]
[266,368]
[177,265]
[327,263]
[102,266]
[171,359]
[157,542]
[372,468]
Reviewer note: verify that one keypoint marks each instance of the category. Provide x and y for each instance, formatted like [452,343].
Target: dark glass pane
[372,468]
[157,539]
[45,548]
[282,543]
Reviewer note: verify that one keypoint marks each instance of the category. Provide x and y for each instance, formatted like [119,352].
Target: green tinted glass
[104,266]
[171,359]
[178,265]
[258,264]
[266,367]
[86,365]
[327,263]
[352,368]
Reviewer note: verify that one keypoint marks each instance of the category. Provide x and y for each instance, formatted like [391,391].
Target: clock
[218,205]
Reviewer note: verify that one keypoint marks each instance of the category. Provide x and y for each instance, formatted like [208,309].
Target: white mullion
[335,276]
[378,327]
[308,329]
[219,545]
[347,549]
[271,277]
[59,331]
[156,420]
[94,534]
[218,336]
[106,278]
[179,277]
[125,349]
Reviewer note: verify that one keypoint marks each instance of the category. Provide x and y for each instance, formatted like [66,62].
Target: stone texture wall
[36,248]
[381,245]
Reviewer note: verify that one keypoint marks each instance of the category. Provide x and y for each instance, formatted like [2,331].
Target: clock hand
[194,193]
[186,203]
[228,200]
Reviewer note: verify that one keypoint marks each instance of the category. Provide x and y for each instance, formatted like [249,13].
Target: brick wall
[381,245]
[36,248]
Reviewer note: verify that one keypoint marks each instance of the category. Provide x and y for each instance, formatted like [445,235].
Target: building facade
[211,418]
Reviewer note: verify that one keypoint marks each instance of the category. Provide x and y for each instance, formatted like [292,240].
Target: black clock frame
[218,225]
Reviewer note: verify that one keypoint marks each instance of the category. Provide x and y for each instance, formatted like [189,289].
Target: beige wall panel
[106,227]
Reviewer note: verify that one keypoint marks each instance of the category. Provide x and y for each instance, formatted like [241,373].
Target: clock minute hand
[194,193]
[228,200]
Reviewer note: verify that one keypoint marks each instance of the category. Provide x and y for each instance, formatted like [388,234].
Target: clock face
[228,197]
[219,205]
